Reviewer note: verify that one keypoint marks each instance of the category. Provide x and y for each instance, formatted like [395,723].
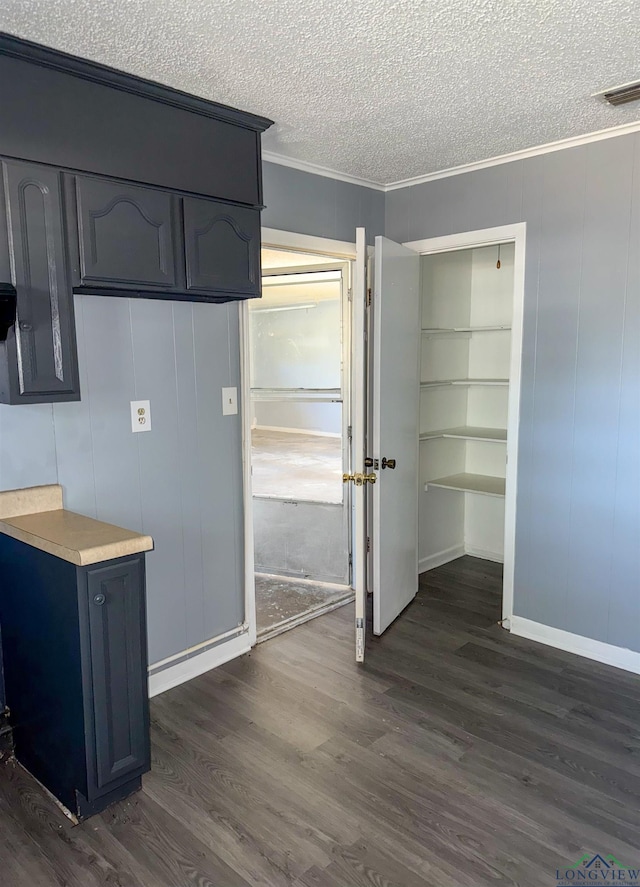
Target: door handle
[359,479]
[388,463]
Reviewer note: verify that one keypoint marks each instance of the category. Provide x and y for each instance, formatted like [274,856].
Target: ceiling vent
[620,95]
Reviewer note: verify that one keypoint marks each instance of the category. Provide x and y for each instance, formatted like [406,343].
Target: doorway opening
[298,360]
[470,351]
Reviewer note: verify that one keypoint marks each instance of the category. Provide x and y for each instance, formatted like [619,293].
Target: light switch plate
[140,415]
[229,401]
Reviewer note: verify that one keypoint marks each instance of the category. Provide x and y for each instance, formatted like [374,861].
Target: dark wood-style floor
[458,755]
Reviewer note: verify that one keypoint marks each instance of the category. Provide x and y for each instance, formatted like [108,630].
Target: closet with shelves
[467,311]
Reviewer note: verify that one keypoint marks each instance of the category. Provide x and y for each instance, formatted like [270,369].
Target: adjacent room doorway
[298,378]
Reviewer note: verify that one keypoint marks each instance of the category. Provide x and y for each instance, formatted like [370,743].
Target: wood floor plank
[166,846]
[52,849]
[237,806]
[457,755]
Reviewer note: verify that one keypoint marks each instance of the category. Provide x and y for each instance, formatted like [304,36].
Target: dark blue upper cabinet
[108,213]
[78,115]
[38,360]
[126,236]
[222,248]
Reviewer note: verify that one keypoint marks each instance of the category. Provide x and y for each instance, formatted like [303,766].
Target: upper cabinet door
[126,236]
[5,261]
[40,363]
[222,248]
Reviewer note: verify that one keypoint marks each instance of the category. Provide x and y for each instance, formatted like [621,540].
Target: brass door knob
[388,463]
[359,479]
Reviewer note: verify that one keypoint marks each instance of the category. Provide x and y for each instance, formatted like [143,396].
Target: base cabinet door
[39,362]
[124,237]
[115,674]
[222,245]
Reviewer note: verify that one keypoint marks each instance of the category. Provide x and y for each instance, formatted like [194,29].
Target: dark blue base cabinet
[75,664]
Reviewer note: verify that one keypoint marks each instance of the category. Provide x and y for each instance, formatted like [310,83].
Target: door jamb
[516,234]
[278,240]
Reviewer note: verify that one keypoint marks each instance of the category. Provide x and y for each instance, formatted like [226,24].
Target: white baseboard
[619,657]
[440,558]
[198,664]
[335,434]
[496,556]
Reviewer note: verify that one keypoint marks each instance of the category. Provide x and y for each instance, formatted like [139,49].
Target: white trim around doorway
[515,234]
[308,243]
[270,237]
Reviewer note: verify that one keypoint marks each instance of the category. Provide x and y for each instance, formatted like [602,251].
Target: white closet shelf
[468,432]
[444,331]
[470,483]
[487,382]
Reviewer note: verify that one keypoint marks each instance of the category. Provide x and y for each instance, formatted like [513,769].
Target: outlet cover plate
[140,415]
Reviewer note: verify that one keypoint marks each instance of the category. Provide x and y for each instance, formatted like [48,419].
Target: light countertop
[35,516]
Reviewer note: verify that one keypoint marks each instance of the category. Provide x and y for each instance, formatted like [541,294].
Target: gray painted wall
[325,417]
[577,546]
[181,482]
[307,204]
[578,525]
[304,539]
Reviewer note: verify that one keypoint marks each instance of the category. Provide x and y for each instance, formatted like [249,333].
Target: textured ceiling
[381,89]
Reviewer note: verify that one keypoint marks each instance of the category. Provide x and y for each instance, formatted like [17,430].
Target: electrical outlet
[140,415]
[229,401]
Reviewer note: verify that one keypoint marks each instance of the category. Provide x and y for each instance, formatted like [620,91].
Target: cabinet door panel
[126,235]
[5,263]
[223,247]
[118,659]
[43,363]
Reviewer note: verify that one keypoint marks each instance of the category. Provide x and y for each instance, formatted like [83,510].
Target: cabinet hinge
[369,296]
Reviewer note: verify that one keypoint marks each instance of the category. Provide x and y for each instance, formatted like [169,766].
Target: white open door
[393,423]
[359,436]
[385,392]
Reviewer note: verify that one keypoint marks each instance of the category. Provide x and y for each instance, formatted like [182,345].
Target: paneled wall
[578,528]
[181,482]
[308,204]
[577,541]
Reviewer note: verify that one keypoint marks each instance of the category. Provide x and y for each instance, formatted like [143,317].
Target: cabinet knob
[99,599]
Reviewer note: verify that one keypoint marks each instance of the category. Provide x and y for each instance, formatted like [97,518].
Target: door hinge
[349,431]
[368,543]
[369,296]
[349,295]
[359,640]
